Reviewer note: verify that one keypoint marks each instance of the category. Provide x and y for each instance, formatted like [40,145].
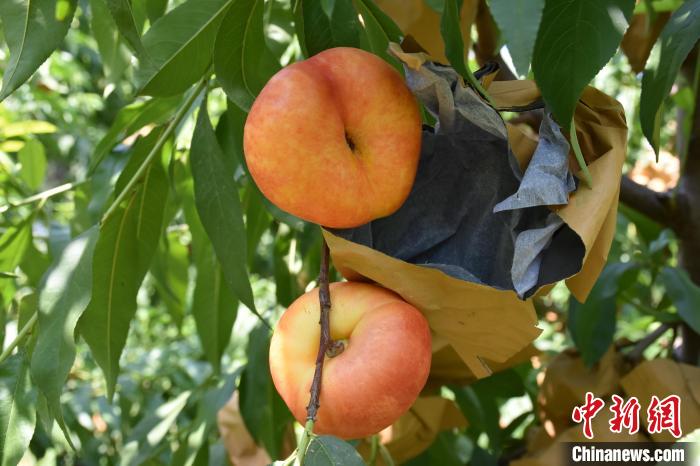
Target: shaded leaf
[64,295]
[32,33]
[592,324]
[124,19]
[219,207]
[677,39]
[380,30]
[575,40]
[684,293]
[33,159]
[171,274]
[144,441]
[109,42]
[264,413]
[242,61]
[318,32]
[331,451]
[122,257]
[518,21]
[17,409]
[180,46]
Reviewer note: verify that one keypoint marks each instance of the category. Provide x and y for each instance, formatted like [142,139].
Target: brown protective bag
[484,325]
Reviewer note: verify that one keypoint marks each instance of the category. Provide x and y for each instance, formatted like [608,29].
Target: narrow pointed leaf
[122,257]
[32,33]
[518,21]
[380,30]
[180,46]
[33,159]
[14,243]
[145,440]
[677,39]
[318,32]
[242,61]
[685,295]
[17,409]
[124,19]
[219,207]
[64,295]
[575,40]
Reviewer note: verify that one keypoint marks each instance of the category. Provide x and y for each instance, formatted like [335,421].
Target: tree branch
[654,205]
[637,352]
[324,298]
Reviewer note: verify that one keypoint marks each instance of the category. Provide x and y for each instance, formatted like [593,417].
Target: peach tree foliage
[130,231]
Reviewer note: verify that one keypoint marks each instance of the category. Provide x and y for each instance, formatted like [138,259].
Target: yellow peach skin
[376,378]
[335,139]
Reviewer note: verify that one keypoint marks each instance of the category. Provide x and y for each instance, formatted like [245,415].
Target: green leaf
[285,283]
[125,247]
[263,411]
[318,32]
[180,46]
[32,33]
[130,119]
[518,21]
[451,33]
[677,39]
[331,451]
[575,40]
[219,207]
[170,273]
[214,308]
[109,43]
[33,159]
[14,243]
[64,295]
[684,293]
[17,409]
[242,61]
[448,449]
[145,440]
[123,17]
[257,219]
[380,30]
[25,128]
[592,324]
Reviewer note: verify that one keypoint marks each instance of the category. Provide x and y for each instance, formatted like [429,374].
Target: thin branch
[20,336]
[42,196]
[169,130]
[325,344]
[324,298]
[637,352]
[654,205]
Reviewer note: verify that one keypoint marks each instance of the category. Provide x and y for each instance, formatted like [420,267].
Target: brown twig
[324,298]
[637,352]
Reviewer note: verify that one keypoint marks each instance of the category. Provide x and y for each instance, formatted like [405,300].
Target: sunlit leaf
[17,409]
[219,207]
[677,39]
[575,40]
[32,32]
[64,296]
[14,243]
[125,247]
[25,128]
[33,159]
[518,21]
[180,46]
[242,61]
